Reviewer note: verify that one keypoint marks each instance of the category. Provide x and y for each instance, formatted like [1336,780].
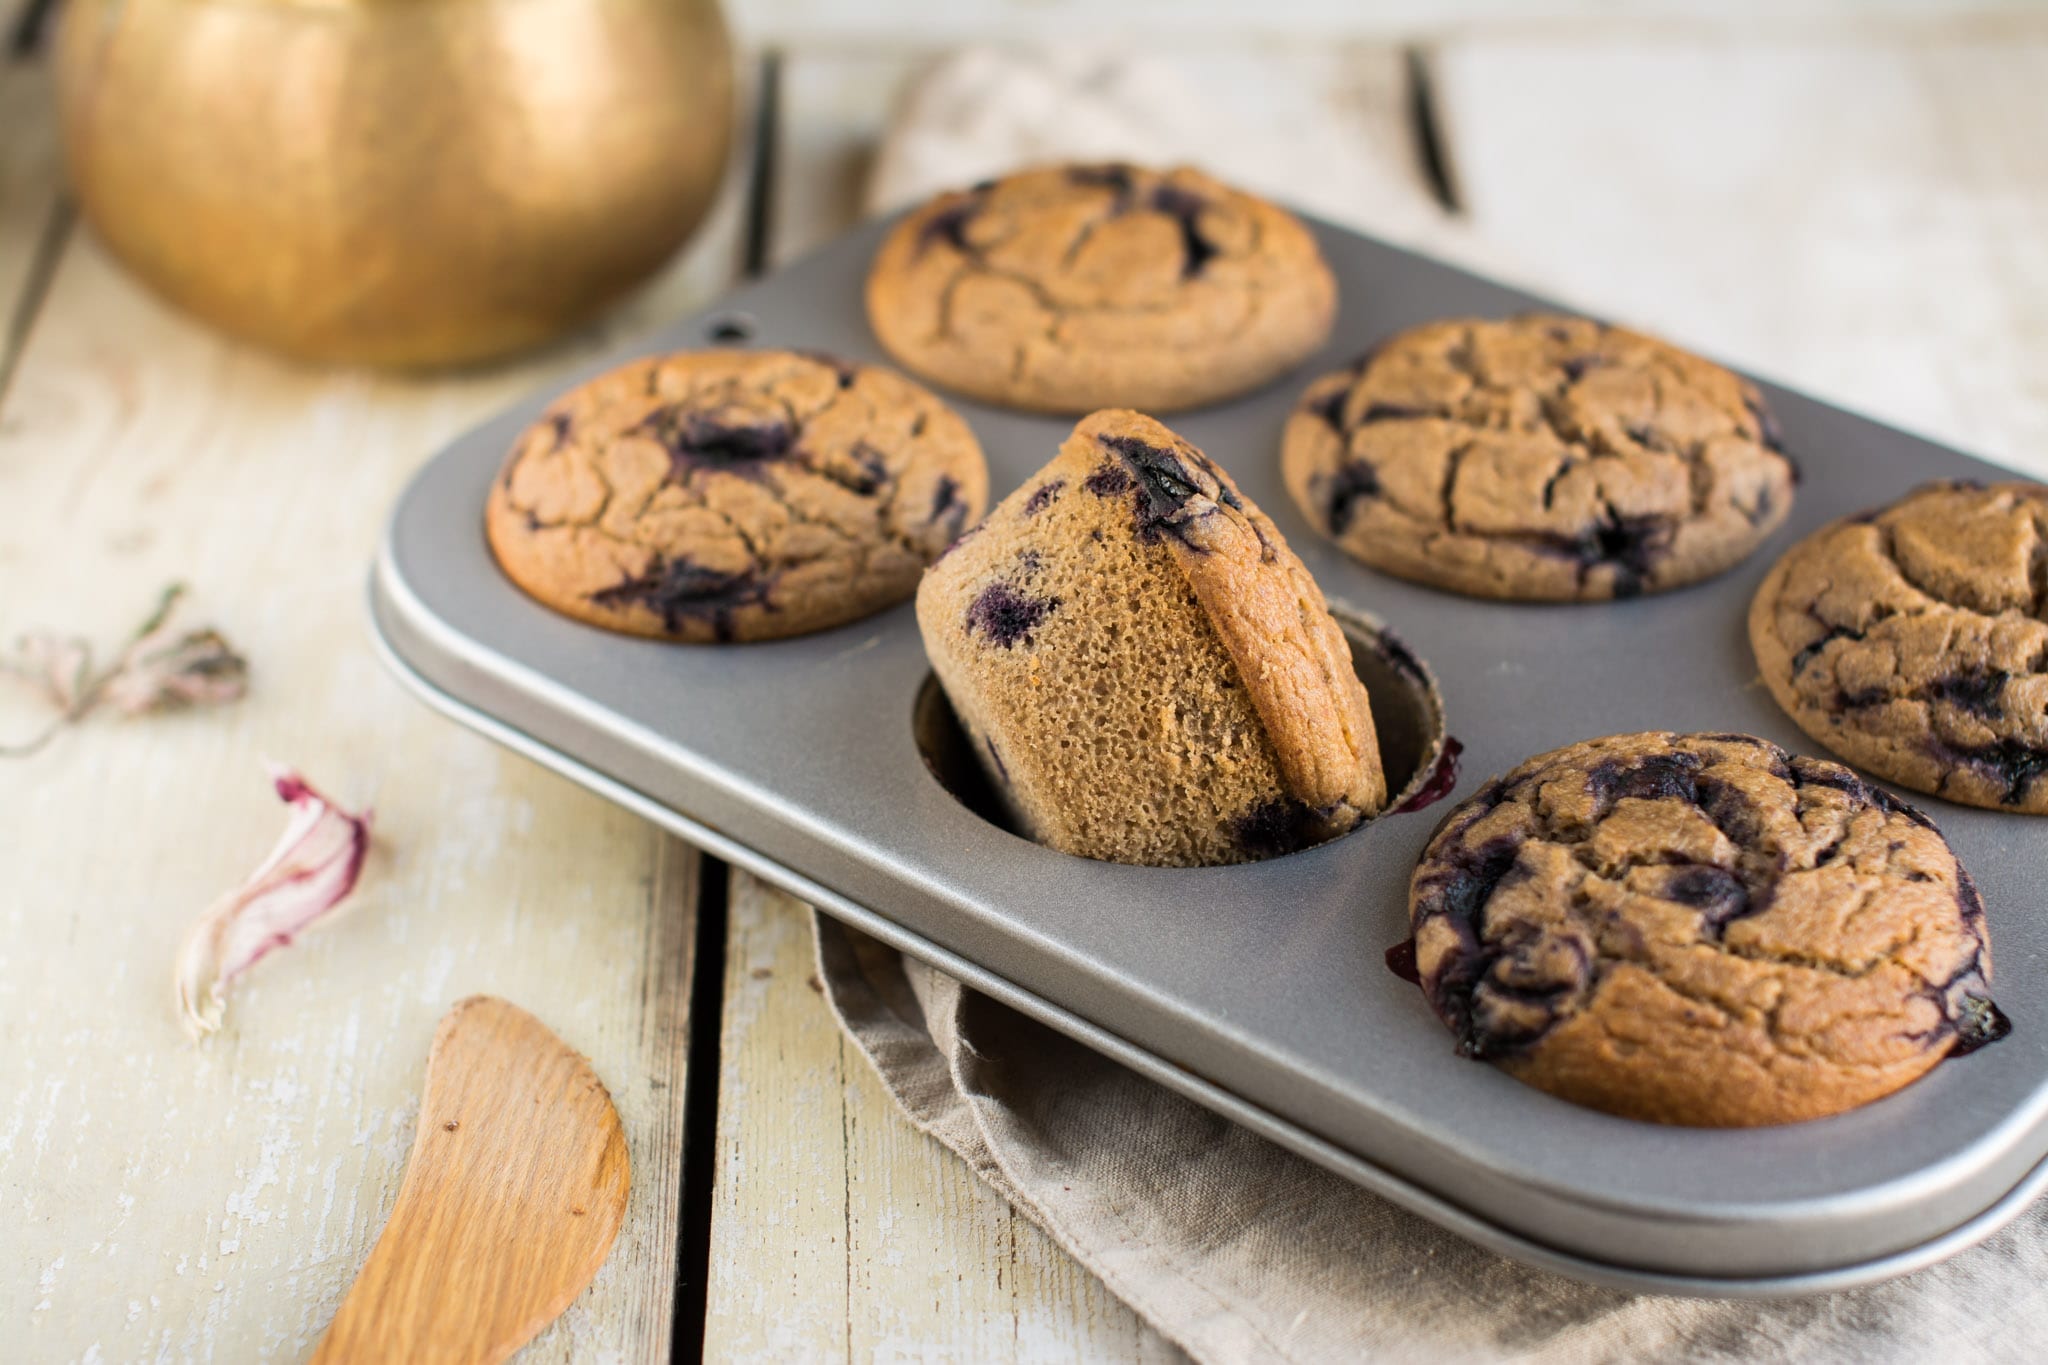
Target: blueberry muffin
[1700,929]
[1539,458]
[1077,287]
[1147,672]
[734,495]
[1913,641]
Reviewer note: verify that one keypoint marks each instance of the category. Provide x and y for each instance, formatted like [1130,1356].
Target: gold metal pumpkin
[394,182]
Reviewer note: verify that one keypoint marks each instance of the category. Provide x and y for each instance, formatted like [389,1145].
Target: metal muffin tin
[1260,990]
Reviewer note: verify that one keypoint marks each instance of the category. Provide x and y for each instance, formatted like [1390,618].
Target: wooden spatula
[512,1198]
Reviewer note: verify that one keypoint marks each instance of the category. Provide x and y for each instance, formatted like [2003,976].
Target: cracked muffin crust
[1913,641]
[734,495]
[1540,458]
[1700,929]
[1069,288]
[1147,672]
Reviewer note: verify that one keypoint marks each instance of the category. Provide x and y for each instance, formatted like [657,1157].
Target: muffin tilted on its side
[1070,288]
[1148,673]
[1702,930]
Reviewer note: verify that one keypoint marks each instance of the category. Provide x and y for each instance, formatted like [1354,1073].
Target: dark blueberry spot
[1165,485]
[1186,209]
[1632,545]
[1550,484]
[1353,480]
[1731,812]
[1007,615]
[949,224]
[1460,891]
[561,423]
[1442,778]
[1107,482]
[873,472]
[1392,412]
[1042,497]
[1576,366]
[1658,777]
[1846,700]
[1002,769]
[1111,175]
[1979,1023]
[1401,962]
[1976,691]
[1646,435]
[1717,894]
[946,501]
[1806,655]
[680,591]
[1331,409]
[700,440]
[2014,762]
[1279,826]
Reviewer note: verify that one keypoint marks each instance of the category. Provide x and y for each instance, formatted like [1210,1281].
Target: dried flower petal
[60,666]
[309,873]
[160,669]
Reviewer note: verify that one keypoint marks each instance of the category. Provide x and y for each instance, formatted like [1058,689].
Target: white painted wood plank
[1868,221]
[213,1203]
[841,1233]
[1168,23]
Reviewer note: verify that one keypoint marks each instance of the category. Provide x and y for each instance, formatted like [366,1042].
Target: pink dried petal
[198,668]
[59,665]
[309,873]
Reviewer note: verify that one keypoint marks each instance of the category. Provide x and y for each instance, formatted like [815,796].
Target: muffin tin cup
[1261,990]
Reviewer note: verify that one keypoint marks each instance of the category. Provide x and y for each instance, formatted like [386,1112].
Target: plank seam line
[1425,121]
[35,289]
[702,1070]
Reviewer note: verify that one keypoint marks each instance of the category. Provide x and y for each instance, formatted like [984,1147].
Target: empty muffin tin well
[1407,712]
[1260,990]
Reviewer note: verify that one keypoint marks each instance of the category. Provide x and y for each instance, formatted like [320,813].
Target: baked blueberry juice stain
[1007,615]
[696,440]
[1443,778]
[679,591]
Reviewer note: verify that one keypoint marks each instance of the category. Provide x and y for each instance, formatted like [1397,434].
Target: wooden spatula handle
[512,1197]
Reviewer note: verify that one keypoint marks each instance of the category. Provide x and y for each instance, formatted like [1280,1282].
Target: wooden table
[1866,217]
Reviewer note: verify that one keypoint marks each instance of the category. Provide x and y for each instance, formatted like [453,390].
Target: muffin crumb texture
[1148,673]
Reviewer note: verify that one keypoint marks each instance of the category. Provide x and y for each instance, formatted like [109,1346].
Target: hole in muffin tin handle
[730,329]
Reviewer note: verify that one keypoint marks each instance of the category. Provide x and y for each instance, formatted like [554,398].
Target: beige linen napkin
[1238,1250]
[1232,1247]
